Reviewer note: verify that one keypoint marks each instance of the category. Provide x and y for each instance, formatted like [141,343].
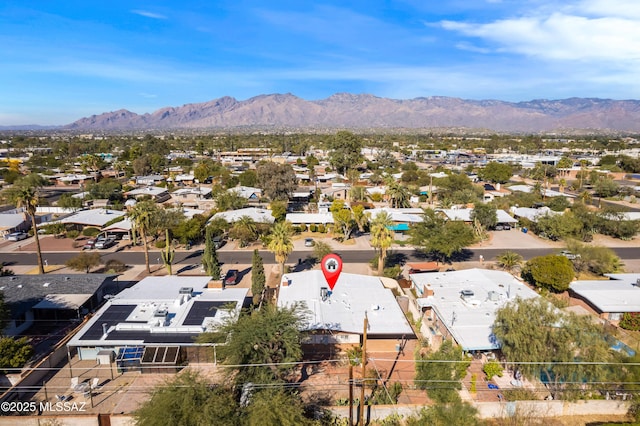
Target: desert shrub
[90,231]
[161,244]
[73,233]
[313,227]
[492,368]
[322,229]
[630,321]
[392,272]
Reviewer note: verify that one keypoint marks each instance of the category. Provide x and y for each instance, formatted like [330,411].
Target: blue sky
[62,60]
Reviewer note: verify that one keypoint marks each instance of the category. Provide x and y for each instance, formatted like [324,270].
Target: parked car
[17,236]
[105,243]
[308,242]
[218,241]
[231,277]
[90,244]
[569,255]
[499,228]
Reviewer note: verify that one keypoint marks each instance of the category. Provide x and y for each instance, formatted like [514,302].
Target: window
[615,316]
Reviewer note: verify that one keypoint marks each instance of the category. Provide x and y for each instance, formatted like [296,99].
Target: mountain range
[344,110]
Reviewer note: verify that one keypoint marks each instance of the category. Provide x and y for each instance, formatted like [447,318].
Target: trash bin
[524,230]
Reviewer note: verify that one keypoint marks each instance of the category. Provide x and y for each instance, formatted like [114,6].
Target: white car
[17,236]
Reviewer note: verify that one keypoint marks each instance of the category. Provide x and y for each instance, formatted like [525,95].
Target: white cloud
[560,36]
[148,14]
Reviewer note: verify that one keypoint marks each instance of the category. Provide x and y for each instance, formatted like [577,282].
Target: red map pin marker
[331,268]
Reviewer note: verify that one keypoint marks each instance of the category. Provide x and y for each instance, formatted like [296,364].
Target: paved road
[244,257]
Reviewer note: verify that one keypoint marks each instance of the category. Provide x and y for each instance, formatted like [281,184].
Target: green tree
[496,172]
[229,200]
[381,237]
[485,214]
[280,243]
[258,278]
[320,250]
[559,226]
[359,216]
[276,407]
[398,194]
[25,195]
[248,178]
[551,272]
[188,399]
[605,187]
[509,260]
[345,151]
[565,163]
[210,256]
[277,181]
[14,353]
[69,202]
[244,230]
[142,216]
[342,218]
[442,239]
[263,345]
[441,379]
[279,210]
[598,260]
[84,262]
[570,353]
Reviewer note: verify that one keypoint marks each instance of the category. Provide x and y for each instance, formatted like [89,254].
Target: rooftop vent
[161,313]
[186,290]
[637,283]
[467,293]
[324,293]
[46,284]
[494,296]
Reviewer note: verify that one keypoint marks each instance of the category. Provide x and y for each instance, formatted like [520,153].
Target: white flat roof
[344,310]
[258,215]
[140,303]
[298,218]
[95,217]
[147,190]
[465,215]
[470,321]
[620,294]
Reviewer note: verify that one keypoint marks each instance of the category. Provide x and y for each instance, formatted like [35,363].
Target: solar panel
[113,315]
[200,310]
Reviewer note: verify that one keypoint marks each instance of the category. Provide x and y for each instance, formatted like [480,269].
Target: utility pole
[364,366]
[350,394]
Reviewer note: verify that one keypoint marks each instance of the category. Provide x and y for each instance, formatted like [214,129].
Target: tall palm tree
[142,216]
[381,237]
[27,197]
[398,194]
[509,260]
[280,244]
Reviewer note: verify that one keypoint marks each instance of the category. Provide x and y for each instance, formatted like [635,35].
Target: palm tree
[381,237]
[509,260]
[142,216]
[398,194]
[280,244]
[27,197]
[245,230]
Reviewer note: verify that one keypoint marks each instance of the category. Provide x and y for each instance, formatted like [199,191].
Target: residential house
[462,305]
[336,317]
[158,314]
[34,299]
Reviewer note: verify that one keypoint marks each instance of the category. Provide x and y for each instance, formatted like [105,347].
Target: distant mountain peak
[366,111]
